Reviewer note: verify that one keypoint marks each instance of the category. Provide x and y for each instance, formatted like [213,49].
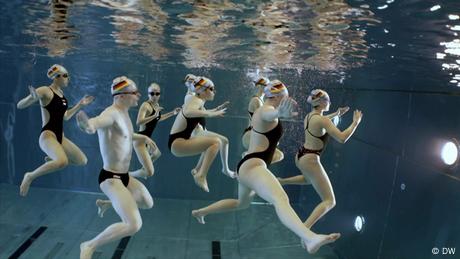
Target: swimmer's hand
[214,112]
[342,110]
[286,108]
[33,93]
[222,106]
[83,123]
[177,110]
[87,99]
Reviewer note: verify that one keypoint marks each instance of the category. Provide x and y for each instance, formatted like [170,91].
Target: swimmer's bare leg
[126,207]
[53,149]
[223,148]
[144,158]
[245,197]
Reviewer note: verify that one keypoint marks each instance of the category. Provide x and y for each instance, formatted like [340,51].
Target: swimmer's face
[130,99]
[209,93]
[62,80]
[154,93]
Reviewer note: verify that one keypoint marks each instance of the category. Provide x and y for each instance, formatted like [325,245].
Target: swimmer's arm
[34,96]
[332,115]
[142,117]
[105,119]
[193,109]
[71,112]
[87,99]
[340,136]
[254,104]
[269,114]
[169,114]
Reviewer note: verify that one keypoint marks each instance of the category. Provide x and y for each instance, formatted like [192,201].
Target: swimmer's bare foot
[229,173]
[25,184]
[86,251]
[102,206]
[199,217]
[318,241]
[201,182]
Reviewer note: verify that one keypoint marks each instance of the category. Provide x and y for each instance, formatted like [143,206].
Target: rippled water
[325,35]
[331,36]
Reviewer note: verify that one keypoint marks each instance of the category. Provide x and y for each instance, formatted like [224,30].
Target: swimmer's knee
[83,161]
[224,140]
[148,203]
[150,172]
[330,204]
[61,163]
[134,227]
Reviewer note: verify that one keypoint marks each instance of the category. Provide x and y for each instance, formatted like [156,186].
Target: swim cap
[121,85]
[56,70]
[261,80]
[275,88]
[153,85]
[201,83]
[189,80]
[318,96]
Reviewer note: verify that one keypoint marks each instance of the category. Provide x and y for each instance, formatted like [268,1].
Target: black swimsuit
[150,126]
[250,126]
[104,175]
[187,132]
[324,138]
[56,108]
[273,137]
[250,117]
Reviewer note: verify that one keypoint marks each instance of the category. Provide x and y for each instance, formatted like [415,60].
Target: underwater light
[359,223]
[449,152]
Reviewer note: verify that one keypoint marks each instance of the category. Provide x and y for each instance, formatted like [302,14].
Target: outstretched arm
[34,96]
[340,111]
[342,136]
[193,109]
[83,102]
[169,114]
[90,126]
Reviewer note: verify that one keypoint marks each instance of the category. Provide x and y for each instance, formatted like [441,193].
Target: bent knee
[83,161]
[224,140]
[330,204]
[148,203]
[133,227]
[61,162]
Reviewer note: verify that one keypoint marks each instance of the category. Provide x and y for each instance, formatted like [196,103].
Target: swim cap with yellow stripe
[263,81]
[122,85]
[201,83]
[318,96]
[56,70]
[275,88]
